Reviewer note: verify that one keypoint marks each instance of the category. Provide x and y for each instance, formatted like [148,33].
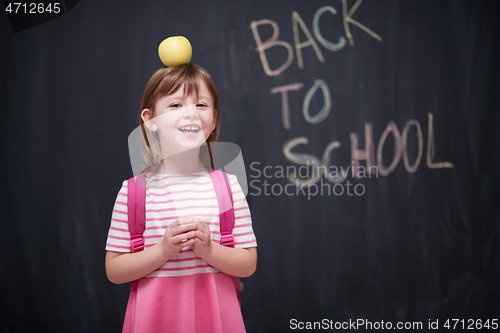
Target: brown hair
[167,81]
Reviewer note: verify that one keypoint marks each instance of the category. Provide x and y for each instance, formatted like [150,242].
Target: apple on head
[175,51]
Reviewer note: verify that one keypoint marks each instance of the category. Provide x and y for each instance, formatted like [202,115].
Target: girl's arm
[232,261]
[125,267]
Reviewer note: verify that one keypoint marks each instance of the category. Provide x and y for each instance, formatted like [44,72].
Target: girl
[184,274]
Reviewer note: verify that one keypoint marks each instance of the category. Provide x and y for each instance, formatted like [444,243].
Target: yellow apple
[175,51]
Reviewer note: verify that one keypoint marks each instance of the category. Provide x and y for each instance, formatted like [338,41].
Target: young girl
[184,274]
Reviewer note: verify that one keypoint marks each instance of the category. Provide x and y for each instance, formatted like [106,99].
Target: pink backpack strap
[226,213]
[136,208]
[226,207]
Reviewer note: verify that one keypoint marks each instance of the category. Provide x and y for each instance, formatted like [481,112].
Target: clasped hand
[185,232]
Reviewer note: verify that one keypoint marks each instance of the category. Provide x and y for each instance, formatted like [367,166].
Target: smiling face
[183,121]
[163,122]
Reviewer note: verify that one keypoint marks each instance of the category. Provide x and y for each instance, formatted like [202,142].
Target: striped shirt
[170,197]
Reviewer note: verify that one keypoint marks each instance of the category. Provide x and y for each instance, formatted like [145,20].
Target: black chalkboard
[386,111]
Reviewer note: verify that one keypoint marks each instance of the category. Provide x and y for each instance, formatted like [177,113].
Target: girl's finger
[174,224]
[183,237]
[203,226]
[187,242]
[183,228]
[202,236]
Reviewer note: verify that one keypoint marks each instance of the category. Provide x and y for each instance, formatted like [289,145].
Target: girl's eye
[201,105]
[175,105]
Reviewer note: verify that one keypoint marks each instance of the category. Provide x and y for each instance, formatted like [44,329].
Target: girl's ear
[147,118]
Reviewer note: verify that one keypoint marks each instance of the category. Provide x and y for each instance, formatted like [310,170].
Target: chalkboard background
[409,245]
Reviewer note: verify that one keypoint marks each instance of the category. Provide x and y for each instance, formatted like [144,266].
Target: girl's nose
[190,111]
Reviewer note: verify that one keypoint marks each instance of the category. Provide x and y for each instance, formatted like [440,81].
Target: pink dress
[185,294]
[194,303]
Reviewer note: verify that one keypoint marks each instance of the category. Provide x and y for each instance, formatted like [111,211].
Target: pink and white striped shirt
[170,197]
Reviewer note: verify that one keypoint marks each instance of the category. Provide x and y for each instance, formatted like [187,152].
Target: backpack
[136,205]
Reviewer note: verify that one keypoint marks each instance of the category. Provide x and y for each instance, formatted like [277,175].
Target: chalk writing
[420,138]
[285,109]
[430,147]
[317,33]
[374,162]
[348,19]
[272,41]
[298,21]
[330,171]
[367,154]
[301,159]
[391,128]
[327,103]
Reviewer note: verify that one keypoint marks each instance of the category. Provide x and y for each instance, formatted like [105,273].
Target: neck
[183,163]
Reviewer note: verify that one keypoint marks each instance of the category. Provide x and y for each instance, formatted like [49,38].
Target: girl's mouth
[190,129]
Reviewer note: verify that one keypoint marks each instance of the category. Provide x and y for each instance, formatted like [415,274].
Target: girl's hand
[202,243]
[178,235]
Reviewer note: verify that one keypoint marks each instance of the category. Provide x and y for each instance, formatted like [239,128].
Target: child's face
[183,121]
